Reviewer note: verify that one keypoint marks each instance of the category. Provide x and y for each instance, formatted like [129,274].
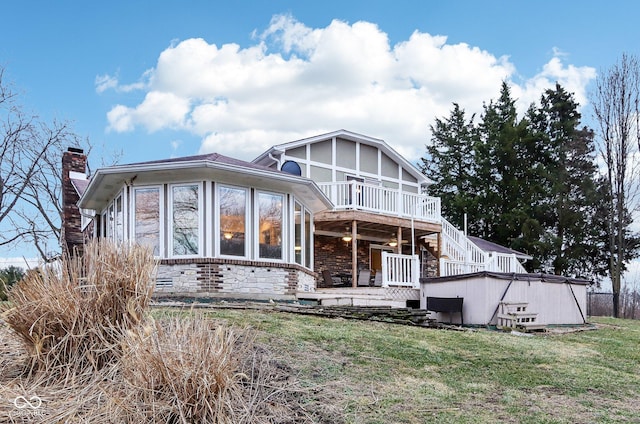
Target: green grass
[386,373]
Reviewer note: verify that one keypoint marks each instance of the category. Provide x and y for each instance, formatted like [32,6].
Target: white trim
[311,246]
[335,169]
[74,175]
[209,211]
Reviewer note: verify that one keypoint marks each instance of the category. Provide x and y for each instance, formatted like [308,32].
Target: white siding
[334,159]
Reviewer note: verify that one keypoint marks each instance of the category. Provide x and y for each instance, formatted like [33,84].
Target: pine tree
[450,164]
[570,180]
[527,184]
[500,209]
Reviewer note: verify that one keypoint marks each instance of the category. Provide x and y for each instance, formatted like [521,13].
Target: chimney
[74,166]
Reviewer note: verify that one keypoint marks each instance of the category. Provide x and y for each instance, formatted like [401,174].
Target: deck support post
[439,255]
[354,254]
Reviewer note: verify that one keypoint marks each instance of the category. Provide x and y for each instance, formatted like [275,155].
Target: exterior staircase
[460,255]
[514,315]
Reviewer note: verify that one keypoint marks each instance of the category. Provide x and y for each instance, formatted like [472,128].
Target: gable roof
[488,246]
[106,182]
[266,157]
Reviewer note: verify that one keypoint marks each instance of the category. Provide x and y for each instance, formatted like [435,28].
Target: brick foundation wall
[230,278]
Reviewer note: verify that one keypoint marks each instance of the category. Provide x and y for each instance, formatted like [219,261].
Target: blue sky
[157,79]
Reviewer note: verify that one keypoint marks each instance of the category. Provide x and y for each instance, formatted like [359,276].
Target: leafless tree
[616,102]
[30,157]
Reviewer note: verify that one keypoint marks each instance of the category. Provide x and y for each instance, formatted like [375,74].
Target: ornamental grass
[78,343]
[71,315]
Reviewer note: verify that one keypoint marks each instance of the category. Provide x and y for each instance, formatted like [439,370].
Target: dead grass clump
[183,371]
[193,370]
[94,354]
[71,316]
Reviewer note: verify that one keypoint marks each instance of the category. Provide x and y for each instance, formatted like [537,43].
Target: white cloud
[105,82]
[573,79]
[112,82]
[296,81]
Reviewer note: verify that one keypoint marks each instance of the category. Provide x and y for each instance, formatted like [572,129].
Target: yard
[372,372]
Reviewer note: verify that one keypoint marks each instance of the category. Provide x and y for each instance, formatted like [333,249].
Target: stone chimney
[74,166]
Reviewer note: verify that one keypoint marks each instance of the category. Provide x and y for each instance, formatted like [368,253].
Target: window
[119,220]
[110,218]
[302,242]
[185,220]
[233,221]
[297,234]
[147,218]
[103,225]
[270,217]
[308,242]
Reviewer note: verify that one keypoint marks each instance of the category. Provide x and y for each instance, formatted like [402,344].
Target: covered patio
[367,249]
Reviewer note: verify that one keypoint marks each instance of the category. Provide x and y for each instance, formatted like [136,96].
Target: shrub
[185,370]
[72,315]
[8,277]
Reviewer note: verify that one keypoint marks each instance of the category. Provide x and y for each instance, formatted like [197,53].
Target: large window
[233,221]
[302,235]
[240,222]
[270,218]
[147,218]
[297,234]
[308,242]
[110,218]
[119,220]
[185,220]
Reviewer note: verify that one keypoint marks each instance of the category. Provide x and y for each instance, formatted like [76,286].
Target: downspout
[277,161]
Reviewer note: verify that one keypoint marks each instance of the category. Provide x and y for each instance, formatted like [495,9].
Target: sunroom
[220,227]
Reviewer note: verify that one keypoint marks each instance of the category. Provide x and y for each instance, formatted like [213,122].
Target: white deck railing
[372,198]
[502,262]
[458,247]
[400,270]
[450,267]
[462,256]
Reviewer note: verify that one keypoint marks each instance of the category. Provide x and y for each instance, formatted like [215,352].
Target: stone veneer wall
[334,254]
[232,279]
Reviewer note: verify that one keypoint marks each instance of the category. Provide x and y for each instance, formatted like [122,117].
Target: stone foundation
[232,279]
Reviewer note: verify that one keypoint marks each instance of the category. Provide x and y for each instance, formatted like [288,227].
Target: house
[337,218]
[220,227]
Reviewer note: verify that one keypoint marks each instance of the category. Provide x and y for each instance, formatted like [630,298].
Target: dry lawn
[78,344]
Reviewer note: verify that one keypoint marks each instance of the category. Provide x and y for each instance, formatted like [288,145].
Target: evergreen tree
[451,164]
[8,277]
[570,171]
[527,184]
[501,210]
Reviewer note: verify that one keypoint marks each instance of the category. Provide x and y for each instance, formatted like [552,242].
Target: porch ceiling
[371,226]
